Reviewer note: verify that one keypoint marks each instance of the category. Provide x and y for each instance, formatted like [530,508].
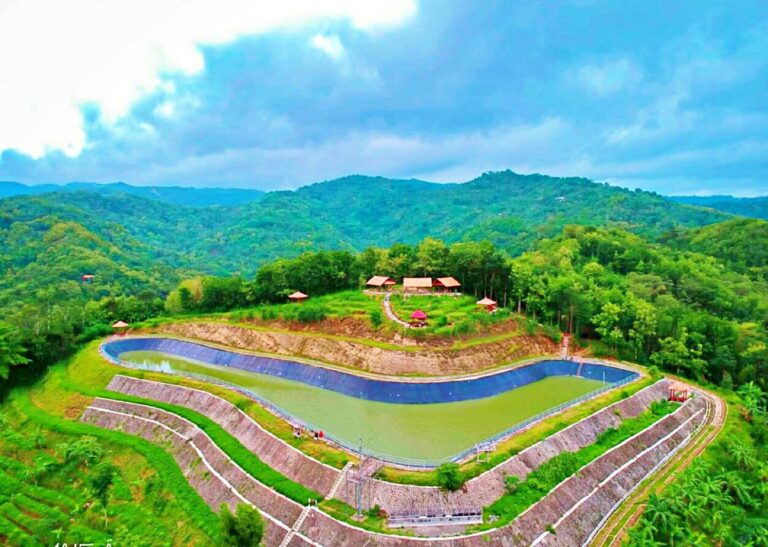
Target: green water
[414,431]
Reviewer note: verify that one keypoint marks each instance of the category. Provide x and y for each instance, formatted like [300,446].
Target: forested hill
[742,243]
[746,207]
[354,212]
[177,195]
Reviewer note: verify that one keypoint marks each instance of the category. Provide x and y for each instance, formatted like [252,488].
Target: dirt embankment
[421,359]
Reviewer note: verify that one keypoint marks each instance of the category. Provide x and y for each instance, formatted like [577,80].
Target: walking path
[390,314]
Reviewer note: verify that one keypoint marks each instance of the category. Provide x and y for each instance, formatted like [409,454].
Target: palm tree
[753,399]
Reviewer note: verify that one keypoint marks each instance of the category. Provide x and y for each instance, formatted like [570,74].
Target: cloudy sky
[666,96]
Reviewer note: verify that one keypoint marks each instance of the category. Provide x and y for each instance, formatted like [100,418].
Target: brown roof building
[379,281]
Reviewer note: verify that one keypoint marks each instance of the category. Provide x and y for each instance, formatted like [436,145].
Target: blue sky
[665,96]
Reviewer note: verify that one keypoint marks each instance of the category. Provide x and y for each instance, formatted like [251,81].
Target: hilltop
[132,242]
[746,207]
[177,195]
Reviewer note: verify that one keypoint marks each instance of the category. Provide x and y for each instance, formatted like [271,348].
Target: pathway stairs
[296,525]
[391,315]
[339,481]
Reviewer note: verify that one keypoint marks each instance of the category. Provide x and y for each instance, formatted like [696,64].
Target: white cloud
[610,77]
[58,57]
[330,45]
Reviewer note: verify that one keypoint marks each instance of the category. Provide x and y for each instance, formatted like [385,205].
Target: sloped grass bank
[523,494]
[46,469]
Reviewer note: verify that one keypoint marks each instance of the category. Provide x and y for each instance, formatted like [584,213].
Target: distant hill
[355,212]
[742,243]
[746,207]
[177,195]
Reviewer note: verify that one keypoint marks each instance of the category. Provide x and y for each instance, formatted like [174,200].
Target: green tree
[11,350]
[752,399]
[244,528]
[99,480]
[449,477]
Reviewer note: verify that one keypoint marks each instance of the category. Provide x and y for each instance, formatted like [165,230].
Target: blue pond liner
[423,392]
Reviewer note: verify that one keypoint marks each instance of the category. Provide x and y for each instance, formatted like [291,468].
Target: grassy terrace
[454,322]
[47,465]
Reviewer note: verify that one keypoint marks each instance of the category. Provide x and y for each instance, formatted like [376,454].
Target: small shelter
[446,284]
[488,304]
[418,318]
[417,284]
[120,328]
[87,278]
[297,297]
[381,282]
[679,392]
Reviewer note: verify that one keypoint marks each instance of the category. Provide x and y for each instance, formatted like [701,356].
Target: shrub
[244,528]
[449,477]
[311,313]
[376,318]
[511,484]
[94,331]
[268,314]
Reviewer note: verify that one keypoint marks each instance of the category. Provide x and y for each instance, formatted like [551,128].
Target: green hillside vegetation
[746,207]
[60,484]
[683,311]
[177,195]
[721,499]
[739,242]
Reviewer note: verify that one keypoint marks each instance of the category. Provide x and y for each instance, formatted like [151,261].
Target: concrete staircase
[296,526]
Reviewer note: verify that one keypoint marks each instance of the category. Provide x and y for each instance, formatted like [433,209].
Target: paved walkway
[389,313]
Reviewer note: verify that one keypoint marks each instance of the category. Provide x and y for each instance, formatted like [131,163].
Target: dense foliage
[722,498]
[243,528]
[683,311]
[746,207]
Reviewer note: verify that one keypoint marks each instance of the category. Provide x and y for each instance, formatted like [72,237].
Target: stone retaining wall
[213,491]
[488,487]
[427,361]
[592,491]
[274,452]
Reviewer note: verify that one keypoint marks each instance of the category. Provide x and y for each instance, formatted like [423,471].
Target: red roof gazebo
[120,327]
[679,392]
[298,296]
[488,304]
[418,318]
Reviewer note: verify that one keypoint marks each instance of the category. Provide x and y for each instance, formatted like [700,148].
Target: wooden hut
[120,328]
[297,297]
[488,304]
[380,282]
[416,285]
[446,284]
[87,278]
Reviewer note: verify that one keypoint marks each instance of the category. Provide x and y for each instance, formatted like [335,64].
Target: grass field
[430,431]
[448,315]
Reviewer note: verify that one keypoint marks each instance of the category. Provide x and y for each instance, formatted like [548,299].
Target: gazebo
[381,282]
[488,304]
[87,278]
[447,284]
[418,318]
[417,284]
[297,297]
[120,327]
[679,392]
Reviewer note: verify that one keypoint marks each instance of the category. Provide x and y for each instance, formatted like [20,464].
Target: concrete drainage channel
[626,465]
